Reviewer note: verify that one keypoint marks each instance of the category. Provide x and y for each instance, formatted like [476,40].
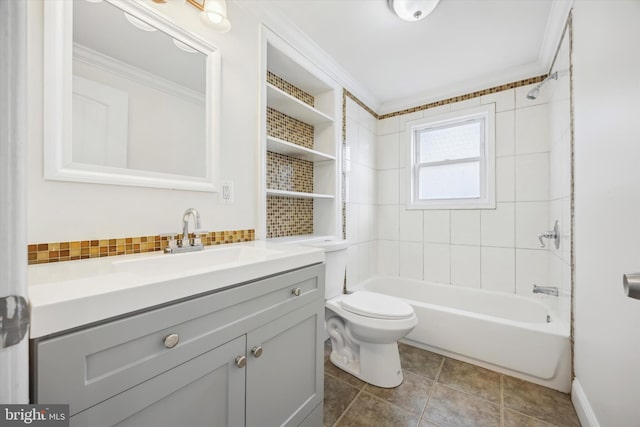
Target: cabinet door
[205,391]
[285,384]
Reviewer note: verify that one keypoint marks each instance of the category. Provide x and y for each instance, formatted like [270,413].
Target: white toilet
[364,326]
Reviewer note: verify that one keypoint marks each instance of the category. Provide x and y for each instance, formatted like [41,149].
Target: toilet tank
[335,259]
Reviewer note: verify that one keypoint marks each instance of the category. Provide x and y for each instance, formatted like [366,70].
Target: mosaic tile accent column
[289,216]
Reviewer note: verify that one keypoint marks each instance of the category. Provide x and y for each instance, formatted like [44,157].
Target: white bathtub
[507,333]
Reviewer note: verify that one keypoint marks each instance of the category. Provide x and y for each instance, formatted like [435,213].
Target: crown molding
[308,48]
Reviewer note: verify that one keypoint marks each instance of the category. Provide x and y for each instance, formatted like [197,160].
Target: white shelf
[297,194]
[280,146]
[287,104]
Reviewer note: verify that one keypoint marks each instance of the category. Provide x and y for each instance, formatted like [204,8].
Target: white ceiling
[463,46]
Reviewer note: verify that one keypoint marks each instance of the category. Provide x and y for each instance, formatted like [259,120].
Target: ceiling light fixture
[215,15]
[412,10]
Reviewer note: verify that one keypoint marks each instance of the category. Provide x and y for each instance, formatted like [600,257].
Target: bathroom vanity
[243,353]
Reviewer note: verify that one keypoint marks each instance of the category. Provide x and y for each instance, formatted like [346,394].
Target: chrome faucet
[185,244]
[547,290]
[185,223]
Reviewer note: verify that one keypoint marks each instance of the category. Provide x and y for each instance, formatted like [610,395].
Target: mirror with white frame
[130,98]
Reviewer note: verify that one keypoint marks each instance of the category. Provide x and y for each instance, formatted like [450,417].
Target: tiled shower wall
[489,249]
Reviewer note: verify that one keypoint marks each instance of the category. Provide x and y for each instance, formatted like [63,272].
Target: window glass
[452,181]
[451,142]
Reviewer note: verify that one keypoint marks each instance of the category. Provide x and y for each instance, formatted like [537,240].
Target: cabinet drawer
[86,367]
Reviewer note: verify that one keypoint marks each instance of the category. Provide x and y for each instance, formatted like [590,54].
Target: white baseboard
[583,408]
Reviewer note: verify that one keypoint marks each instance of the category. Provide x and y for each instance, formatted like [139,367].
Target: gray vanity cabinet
[251,354]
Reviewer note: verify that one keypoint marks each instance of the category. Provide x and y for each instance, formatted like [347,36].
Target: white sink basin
[208,259]
[69,294]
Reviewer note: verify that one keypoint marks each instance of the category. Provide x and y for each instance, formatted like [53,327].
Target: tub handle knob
[552,235]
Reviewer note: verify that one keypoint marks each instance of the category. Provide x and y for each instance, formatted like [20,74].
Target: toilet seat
[377,306]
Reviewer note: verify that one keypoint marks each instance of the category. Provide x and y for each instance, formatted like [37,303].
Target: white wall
[606,84]
[489,249]
[59,211]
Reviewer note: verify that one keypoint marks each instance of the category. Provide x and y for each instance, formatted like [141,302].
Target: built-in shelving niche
[301,141]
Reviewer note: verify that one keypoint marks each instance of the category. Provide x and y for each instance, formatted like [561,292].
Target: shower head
[533,93]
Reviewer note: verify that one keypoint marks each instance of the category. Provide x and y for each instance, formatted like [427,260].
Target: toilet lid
[375,305]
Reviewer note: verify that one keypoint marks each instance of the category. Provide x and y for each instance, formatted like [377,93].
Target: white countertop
[74,293]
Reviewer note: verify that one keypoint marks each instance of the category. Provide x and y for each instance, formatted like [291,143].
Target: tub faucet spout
[547,290]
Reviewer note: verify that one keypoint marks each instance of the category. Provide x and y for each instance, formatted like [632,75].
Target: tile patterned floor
[442,392]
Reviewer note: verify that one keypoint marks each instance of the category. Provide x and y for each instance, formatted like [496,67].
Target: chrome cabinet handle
[256,351]
[296,291]
[241,361]
[171,340]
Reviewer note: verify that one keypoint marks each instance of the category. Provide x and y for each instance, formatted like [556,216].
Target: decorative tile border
[292,90]
[42,253]
[279,125]
[288,173]
[464,97]
[289,216]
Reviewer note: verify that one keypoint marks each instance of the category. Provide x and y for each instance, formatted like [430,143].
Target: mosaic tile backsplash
[289,216]
[287,87]
[288,173]
[42,253]
[287,128]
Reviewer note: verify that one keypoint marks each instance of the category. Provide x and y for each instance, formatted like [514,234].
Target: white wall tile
[437,263]
[531,220]
[532,129]
[389,125]
[388,187]
[352,109]
[366,223]
[505,179]
[352,265]
[366,147]
[411,260]
[532,177]
[505,133]
[388,227]
[565,230]
[504,100]
[410,224]
[366,260]
[465,266]
[465,227]
[352,222]
[531,267]
[403,119]
[388,258]
[436,226]
[441,109]
[364,118]
[388,151]
[467,103]
[403,190]
[521,96]
[498,226]
[366,192]
[352,181]
[498,267]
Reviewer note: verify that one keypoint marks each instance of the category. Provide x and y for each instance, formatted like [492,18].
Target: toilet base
[376,364]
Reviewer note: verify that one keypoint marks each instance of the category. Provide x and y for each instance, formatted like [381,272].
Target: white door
[14,354]
[606,70]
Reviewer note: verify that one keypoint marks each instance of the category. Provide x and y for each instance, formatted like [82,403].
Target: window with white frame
[453,160]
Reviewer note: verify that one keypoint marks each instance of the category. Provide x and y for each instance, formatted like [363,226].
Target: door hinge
[14,320]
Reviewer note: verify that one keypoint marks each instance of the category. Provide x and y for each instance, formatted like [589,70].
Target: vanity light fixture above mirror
[214,13]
